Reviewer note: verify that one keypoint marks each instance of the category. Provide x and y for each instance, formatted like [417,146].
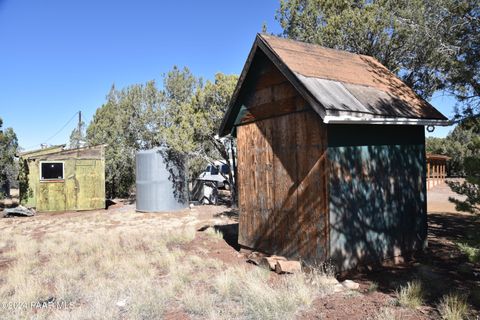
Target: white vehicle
[218,172]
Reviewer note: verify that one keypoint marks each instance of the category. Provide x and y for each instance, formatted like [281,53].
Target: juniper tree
[183,117]
[8,165]
[433,45]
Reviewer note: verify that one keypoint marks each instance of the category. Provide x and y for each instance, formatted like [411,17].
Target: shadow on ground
[442,268]
[229,231]
[230,234]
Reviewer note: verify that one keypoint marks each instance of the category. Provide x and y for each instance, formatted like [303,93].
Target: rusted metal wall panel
[377,192]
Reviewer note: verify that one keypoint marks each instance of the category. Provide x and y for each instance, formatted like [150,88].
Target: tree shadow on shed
[376,191]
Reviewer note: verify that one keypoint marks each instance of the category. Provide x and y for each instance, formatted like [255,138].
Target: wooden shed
[331,155]
[58,179]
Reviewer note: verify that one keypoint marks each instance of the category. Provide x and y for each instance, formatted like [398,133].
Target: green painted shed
[331,155]
[59,179]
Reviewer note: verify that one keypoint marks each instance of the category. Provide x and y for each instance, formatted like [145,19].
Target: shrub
[453,307]
[214,233]
[411,295]
[372,287]
[386,314]
[472,253]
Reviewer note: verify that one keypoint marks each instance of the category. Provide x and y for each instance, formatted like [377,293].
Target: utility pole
[79,122]
[79,142]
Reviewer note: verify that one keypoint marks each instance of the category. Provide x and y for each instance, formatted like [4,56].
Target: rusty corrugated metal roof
[377,89]
[341,86]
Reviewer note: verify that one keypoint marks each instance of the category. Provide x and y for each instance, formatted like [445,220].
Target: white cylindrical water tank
[160,183]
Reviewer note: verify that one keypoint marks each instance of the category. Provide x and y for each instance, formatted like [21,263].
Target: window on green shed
[51,171]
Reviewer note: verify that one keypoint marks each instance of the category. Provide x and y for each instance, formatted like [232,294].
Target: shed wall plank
[285,171]
[312,202]
[282,183]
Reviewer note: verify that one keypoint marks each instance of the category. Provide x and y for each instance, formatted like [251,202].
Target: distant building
[436,169]
[58,179]
[331,155]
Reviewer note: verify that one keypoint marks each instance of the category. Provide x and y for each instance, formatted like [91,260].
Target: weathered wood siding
[82,187]
[282,177]
[282,186]
[377,192]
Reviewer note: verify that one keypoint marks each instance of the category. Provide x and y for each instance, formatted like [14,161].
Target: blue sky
[58,57]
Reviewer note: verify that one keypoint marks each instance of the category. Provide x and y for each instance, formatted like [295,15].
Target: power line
[61,129]
[66,124]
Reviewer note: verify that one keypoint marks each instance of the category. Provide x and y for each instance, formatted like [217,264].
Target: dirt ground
[442,268]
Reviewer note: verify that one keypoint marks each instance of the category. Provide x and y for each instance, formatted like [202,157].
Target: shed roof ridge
[323,56]
[341,51]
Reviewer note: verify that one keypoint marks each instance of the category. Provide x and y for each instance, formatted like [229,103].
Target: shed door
[86,185]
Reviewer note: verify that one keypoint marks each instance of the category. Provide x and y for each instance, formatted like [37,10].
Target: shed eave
[51,149]
[432,156]
[379,120]
[226,126]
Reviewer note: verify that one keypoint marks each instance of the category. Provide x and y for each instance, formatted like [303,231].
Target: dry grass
[212,232]
[373,287]
[453,307]
[131,266]
[411,295]
[472,252]
[92,272]
[386,314]
[257,297]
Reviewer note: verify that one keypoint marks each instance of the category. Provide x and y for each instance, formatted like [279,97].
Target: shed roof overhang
[378,97]
[433,156]
[43,151]
[56,150]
